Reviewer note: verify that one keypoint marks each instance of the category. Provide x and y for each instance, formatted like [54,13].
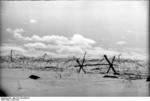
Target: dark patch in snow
[148,78]
[35,77]
[110,76]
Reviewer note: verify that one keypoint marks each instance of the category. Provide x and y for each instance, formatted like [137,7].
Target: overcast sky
[72,27]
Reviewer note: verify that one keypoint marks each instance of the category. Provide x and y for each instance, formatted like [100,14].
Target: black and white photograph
[76,48]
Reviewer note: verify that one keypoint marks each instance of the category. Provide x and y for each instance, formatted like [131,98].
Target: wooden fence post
[111,65]
[81,64]
[11,55]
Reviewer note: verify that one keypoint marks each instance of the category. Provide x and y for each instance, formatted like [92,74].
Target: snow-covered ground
[16,83]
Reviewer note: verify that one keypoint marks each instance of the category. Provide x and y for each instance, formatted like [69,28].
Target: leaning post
[11,55]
